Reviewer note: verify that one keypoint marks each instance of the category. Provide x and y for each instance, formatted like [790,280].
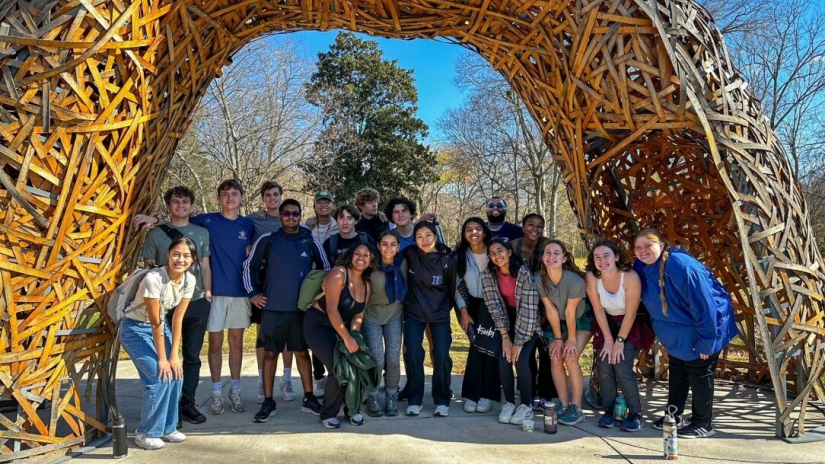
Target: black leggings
[525,376]
[321,339]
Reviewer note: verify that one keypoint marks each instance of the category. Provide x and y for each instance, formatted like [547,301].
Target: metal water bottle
[669,438]
[619,408]
[120,446]
[550,419]
[439,233]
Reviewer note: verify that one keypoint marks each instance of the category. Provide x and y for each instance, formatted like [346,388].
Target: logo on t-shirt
[242,235]
[304,255]
[437,280]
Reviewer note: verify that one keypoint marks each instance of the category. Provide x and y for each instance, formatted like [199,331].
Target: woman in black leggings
[347,289]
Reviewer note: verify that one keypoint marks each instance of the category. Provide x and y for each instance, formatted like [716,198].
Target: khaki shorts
[229,312]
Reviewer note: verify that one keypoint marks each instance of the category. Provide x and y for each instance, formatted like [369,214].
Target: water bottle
[120,445]
[619,408]
[550,419]
[471,333]
[671,445]
[439,233]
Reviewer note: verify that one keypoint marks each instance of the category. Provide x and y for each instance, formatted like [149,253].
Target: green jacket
[356,371]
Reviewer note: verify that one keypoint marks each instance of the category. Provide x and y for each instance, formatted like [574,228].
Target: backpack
[125,293]
[333,243]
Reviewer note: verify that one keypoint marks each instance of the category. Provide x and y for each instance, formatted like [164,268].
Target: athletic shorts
[256,314]
[229,312]
[583,323]
[281,330]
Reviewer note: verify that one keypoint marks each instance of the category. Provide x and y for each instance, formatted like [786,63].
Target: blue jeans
[159,408]
[414,359]
[376,337]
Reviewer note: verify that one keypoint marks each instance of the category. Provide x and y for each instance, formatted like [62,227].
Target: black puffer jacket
[431,279]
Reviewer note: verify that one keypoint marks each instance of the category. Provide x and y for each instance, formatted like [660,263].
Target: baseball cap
[324,194]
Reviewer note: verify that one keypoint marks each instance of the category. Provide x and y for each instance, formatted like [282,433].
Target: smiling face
[474,233]
[604,259]
[230,199]
[534,228]
[496,208]
[553,256]
[400,215]
[323,207]
[180,258]
[647,249]
[425,239]
[361,258]
[500,255]
[346,222]
[388,246]
[272,199]
[290,218]
[180,207]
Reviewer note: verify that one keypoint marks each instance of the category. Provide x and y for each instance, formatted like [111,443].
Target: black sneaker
[311,405]
[404,394]
[268,409]
[190,413]
[695,431]
[660,423]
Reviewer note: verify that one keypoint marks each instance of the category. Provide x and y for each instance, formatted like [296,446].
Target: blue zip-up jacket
[699,311]
[290,259]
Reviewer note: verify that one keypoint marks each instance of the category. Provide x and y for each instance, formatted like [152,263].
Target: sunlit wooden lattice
[648,118]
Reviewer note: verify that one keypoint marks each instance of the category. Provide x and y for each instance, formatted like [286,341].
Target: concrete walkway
[744,424]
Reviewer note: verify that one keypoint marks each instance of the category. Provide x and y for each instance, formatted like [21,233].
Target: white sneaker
[147,443]
[441,411]
[260,398]
[522,414]
[507,410]
[216,404]
[484,405]
[318,387]
[174,437]
[470,405]
[413,410]
[236,401]
[287,393]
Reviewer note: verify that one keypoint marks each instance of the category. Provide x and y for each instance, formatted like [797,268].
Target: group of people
[387,282]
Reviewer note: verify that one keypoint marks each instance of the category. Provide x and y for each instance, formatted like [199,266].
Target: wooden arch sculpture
[648,118]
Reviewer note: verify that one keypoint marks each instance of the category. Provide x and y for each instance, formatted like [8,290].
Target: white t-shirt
[155,284]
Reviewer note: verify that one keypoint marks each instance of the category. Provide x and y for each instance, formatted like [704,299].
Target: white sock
[260,376]
[287,374]
[235,385]
[217,387]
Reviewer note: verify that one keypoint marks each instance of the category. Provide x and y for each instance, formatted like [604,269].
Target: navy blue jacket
[431,280]
[290,259]
[699,316]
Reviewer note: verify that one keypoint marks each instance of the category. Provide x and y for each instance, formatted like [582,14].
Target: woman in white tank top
[614,290]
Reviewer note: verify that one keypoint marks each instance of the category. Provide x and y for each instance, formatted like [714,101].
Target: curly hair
[395,201]
[345,260]
[623,263]
[181,192]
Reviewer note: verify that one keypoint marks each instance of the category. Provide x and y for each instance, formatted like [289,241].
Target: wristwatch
[620,339]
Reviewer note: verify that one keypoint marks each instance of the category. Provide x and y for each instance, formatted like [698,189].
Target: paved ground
[744,422]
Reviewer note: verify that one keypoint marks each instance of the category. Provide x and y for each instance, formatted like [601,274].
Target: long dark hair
[623,264]
[515,261]
[345,260]
[464,245]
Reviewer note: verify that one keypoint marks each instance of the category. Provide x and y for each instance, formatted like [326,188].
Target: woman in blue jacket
[692,315]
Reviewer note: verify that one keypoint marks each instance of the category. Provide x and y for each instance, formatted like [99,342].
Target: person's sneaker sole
[261,420]
[310,411]
[579,420]
[707,433]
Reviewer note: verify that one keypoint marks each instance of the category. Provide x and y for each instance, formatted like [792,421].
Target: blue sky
[432,62]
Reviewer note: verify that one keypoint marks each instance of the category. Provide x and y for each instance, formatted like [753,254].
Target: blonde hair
[656,237]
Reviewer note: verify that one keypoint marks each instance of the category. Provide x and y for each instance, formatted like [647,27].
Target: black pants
[525,377]
[193,329]
[318,370]
[322,339]
[481,375]
[543,384]
[696,375]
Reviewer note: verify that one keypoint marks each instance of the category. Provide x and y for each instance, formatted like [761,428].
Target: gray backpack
[125,293]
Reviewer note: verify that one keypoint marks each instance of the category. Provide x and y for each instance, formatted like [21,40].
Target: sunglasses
[294,214]
[496,205]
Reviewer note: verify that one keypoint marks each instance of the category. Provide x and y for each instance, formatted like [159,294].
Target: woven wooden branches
[648,118]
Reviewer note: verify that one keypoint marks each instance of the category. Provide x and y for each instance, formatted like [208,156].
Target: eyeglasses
[295,214]
[496,205]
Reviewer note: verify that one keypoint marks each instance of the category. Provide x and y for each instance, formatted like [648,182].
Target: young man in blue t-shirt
[230,236]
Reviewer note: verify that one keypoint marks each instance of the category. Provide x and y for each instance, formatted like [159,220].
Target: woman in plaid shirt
[511,296]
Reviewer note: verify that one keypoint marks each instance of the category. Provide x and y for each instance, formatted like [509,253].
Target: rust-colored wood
[650,122]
